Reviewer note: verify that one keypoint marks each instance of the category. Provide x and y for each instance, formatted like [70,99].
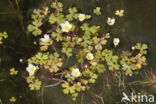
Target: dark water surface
[137,25]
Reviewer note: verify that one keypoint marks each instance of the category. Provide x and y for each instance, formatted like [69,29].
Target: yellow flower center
[116,42]
[47,40]
[32,69]
[66,28]
[81,17]
[89,57]
[110,22]
[76,73]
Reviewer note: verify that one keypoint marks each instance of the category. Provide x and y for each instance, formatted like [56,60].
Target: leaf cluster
[80,40]
[97,11]
[34,83]
[3,35]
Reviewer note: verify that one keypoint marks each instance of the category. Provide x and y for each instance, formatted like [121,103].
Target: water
[138,25]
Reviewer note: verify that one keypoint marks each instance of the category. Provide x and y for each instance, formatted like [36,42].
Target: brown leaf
[53,66]
[44,45]
[98,47]
[44,48]
[103,42]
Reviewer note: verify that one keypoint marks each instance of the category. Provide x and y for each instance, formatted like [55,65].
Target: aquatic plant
[149,80]
[119,13]
[63,36]
[97,11]
[13,71]
[3,35]
[12,99]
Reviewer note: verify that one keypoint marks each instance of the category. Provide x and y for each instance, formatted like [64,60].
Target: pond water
[137,25]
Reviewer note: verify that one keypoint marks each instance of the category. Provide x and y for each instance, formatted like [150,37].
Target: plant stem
[1,101]
[48,78]
[59,74]
[54,48]
[60,80]
[53,84]
[82,99]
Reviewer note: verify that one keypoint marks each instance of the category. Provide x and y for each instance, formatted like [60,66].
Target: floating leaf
[52,18]
[97,11]
[119,13]
[34,28]
[13,71]
[3,35]
[12,99]
[53,66]
[72,14]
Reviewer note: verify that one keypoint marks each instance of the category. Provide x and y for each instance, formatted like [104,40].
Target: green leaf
[52,19]
[88,16]
[91,80]
[66,91]
[67,51]
[144,46]
[57,5]
[3,34]
[34,27]
[72,14]
[97,11]
[100,68]
[60,18]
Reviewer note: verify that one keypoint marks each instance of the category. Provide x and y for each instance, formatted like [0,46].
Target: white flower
[45,39]
[133,48]
[21,60]
[75,72]
[31,69]
[86,66]
[110,21]
[66,26]
[90,56]
[116,41]
[81,17]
